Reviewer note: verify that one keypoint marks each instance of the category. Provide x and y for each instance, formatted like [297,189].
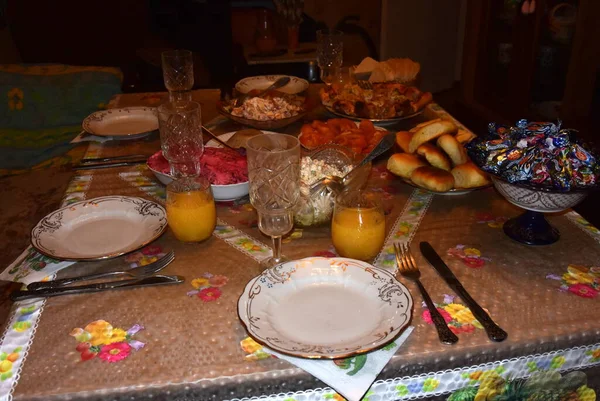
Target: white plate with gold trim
[325,308]
[99,228]
[123,123]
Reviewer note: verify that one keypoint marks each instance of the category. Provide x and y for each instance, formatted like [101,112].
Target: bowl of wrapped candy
[539,167]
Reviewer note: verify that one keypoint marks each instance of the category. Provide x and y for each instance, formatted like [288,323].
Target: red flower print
[134,257]
[114,352]
[151,250]
[467,328]
[473,262]
[218,281]
[583,290]
[209,294]
[454,329]
[427,316]
[324,254]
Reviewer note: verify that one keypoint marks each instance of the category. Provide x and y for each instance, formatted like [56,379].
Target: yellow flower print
[584,393]
[464,316]
[249,345]
[472,252]
[15,99]
[453,309]
[100,331]
[580,274]
[200,282]
[118,335]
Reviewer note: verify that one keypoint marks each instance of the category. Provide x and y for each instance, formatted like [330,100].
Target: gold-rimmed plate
[453,191]
[325,308]
[379,121]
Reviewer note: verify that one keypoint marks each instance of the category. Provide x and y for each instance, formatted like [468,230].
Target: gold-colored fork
[408,268]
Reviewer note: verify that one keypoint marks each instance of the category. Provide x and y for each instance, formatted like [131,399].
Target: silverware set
[141,276]
[110,162]
[408,268]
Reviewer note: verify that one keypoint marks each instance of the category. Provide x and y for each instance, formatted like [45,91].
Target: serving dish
[325,308]
[378,121]
[260,124]
[99,228]
[222,193]
[301,135]
[453,191]
[122,123]
[261,82]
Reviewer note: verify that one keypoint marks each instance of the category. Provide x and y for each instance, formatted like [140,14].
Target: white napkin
[32,266]
[87,137]
[350,380]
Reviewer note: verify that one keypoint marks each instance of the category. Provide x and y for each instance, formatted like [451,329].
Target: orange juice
[358,233]
[191,215]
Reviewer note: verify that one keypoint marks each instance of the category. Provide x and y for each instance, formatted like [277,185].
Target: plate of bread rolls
[431,156]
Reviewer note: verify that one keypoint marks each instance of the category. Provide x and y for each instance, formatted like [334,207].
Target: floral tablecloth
[185,342]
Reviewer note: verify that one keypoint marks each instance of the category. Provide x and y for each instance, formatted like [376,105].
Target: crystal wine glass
[178,73]
[274,176]
[330,53]
[180,128]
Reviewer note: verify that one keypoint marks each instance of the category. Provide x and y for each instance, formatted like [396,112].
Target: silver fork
[136,272]
[409,269]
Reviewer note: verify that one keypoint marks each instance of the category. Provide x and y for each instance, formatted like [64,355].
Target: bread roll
[468,175]
[239,139]
[453,148]
[434,156]
[431,131]
[403,164]
[416,127]
[464,136]
[403,139]
[432,178]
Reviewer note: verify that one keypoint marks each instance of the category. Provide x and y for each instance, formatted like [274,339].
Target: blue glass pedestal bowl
[532,228]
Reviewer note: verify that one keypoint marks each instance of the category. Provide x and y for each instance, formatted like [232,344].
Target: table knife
[114,158]
[109,165]
[495,333]
[83,289]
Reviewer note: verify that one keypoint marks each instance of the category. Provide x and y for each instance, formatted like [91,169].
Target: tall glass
[330,53]
[358,225]
[274,176]
[180,128]
[178,73]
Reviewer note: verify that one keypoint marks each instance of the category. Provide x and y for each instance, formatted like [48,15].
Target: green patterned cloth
[43,108]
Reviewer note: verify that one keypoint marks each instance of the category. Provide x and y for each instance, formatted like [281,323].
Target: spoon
[281,82]
[241,151]
[336,183]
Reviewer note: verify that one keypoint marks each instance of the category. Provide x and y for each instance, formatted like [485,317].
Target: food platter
[99,228]
[325,308]
[301,135]
[453,191]
[123,123]
[260,124]
[380,121]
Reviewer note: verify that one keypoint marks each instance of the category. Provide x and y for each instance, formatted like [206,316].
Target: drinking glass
[178,73]
[191,211]
[358,225]
[180,128]
[330,53]
[274,178]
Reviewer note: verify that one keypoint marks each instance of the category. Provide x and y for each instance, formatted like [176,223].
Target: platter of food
[432,157]
[360,137]
[380,102]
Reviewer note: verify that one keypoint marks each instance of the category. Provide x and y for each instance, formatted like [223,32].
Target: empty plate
[123,123]
[99,228]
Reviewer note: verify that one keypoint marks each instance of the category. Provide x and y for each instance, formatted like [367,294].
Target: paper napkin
[32,266]
[351,377]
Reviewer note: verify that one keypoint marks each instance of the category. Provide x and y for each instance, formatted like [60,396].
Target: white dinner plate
[325,307]
[124,123]
[99,228]
[262,82]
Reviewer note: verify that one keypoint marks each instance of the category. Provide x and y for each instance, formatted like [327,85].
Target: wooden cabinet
[541,65]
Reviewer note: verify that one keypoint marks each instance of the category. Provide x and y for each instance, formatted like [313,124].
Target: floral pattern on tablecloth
[101,339]
[296,233]
[459,318]
[470,256]
[491,220]
[145,256]
[208,287]
[579,280]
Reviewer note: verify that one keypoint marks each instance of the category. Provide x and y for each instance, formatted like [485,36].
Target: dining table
[186,341]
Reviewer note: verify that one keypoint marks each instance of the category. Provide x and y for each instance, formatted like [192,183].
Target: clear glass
[191,212]
[274,179]
[180,126]
[358,225]
[330,53]
[178,73]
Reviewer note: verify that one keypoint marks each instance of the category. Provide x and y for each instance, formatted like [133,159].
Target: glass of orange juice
[358,225]
[191,211]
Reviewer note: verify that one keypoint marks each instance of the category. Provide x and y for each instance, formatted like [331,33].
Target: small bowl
[260,124]
[221,193]
[261,82]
